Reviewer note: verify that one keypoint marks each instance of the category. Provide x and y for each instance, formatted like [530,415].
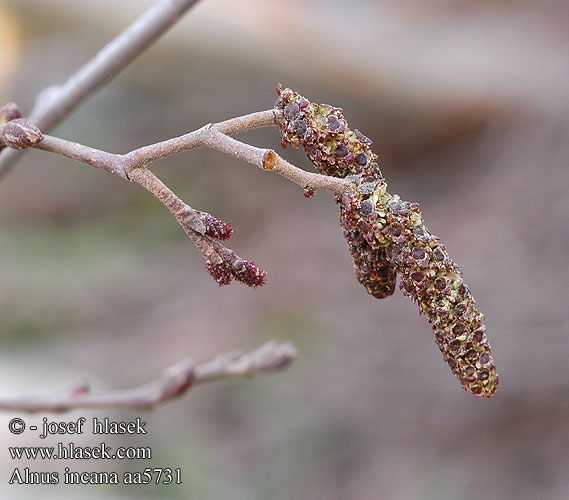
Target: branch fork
[203,229]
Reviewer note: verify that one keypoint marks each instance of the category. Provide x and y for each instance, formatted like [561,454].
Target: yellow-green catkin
[386,236]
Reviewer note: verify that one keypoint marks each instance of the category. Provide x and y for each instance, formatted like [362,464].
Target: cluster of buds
[224,265]
[17,132]
[387,236]
[242,270]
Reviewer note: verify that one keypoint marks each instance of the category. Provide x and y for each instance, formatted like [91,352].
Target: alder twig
[55,103]
[174,382]
[213,135]
[202,228]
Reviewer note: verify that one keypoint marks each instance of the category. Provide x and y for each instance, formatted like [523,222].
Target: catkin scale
[387,236]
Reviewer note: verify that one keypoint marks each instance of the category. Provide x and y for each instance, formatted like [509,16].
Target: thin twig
[208,135]
[55,103]
[203,229]
[174,382]
[213,136]
[184,214]
[108,162]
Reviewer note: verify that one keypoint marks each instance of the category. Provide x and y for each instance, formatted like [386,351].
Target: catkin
[386,236]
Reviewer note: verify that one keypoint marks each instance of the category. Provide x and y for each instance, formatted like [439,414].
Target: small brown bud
[20,134]
[309,192]
[9,111]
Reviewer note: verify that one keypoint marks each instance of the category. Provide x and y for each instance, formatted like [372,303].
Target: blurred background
[467,104]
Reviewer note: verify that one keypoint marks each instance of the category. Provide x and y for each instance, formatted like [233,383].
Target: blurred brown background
[467,104]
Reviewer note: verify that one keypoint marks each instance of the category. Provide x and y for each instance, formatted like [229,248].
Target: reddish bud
[309,192]
[9,111]
[20,134]
[214,227]
[247,272]
[220,272]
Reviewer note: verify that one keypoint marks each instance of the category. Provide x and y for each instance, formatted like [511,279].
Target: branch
[213,135]
[174,382]
[55,103]
[202,228]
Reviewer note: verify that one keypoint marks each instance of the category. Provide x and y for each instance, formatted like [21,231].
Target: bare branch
[202,228]
[216,136]
[55,103]
[174,382]
[108,162]
[272,356]
[212,136]
[303,178]
[205,136]
[184,214]
[248,122]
